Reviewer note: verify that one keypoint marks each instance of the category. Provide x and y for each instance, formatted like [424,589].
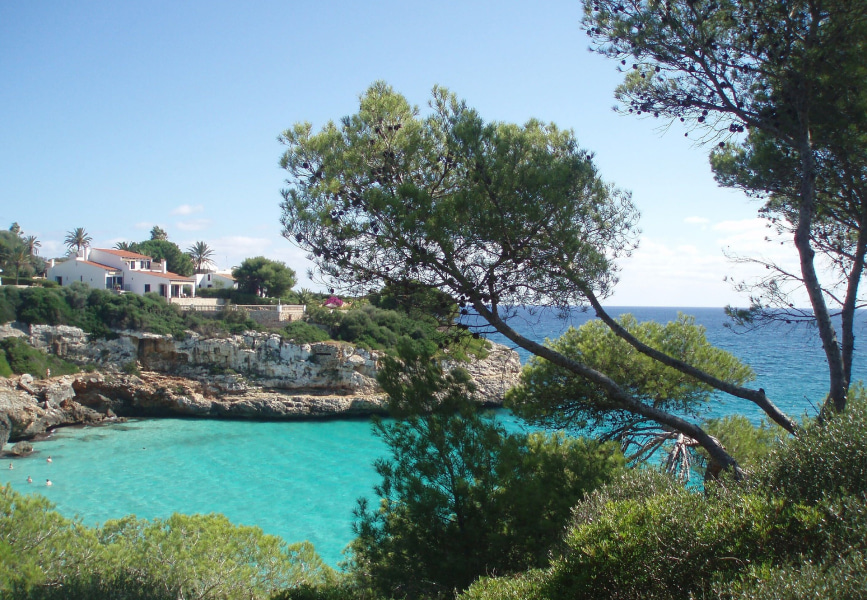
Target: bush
[843,578]
[827,459]
[301,332]
[20,357]
[461,498]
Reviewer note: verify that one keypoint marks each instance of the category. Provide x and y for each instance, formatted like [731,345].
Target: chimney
[51,263]
[165,266]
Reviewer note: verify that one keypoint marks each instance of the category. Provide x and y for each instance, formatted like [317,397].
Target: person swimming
[10,466]
[29,479]
[48,459]
[48,482]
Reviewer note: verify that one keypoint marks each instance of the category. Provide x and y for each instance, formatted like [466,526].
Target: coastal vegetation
[472,219]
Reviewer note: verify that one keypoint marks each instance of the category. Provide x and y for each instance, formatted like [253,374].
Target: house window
[147,288]
[59,280]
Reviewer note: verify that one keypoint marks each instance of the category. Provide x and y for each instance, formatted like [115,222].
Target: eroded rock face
[254,375]
[30,407]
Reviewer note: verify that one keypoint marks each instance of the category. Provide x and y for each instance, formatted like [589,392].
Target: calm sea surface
[300,480]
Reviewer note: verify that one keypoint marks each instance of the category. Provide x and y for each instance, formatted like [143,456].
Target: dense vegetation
[46,556]
[100,312]
[19,357]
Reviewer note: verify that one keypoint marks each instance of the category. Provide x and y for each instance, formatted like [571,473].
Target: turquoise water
[300,480]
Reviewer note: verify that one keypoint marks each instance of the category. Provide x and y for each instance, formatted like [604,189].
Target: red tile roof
[173,276]
[96,264]
[124,253]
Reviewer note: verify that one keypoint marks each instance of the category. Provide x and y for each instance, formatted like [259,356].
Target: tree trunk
[756,396]
[850,303]
[838,387]
[717,453]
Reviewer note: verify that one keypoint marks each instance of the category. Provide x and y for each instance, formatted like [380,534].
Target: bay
[300,480]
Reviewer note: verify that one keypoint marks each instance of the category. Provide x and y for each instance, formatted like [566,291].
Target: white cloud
[188,209]
[696,220]
[193,224]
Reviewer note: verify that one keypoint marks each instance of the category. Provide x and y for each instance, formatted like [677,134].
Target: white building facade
[121,270]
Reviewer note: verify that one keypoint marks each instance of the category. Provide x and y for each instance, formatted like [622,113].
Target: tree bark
[838,387]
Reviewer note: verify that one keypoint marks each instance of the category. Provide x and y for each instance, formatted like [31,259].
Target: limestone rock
[22,449]
[254,375]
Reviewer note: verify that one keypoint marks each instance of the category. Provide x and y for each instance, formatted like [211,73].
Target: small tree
[159,234]
[495,215]
[791,72]
[262,276]
[177,261]
[461,498]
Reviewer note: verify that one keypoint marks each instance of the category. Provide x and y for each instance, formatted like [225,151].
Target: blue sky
[117,116]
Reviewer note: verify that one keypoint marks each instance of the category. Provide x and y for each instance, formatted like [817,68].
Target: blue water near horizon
[300,480]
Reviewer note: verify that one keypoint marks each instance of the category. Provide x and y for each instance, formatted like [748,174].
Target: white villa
[218,279]
[122,270]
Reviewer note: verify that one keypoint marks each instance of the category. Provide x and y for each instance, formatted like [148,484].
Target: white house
[122,270]
[215,280]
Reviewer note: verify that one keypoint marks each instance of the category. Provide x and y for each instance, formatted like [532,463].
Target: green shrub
[5,368]
[44,306]
[301,332]
[827,459]
[20,358]
[130,368]
[837,578]
[123,585]
[751,445]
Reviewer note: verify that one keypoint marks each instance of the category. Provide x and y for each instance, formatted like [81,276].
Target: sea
[301,480]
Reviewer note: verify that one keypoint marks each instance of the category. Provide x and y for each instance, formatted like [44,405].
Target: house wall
[214,280]
[73,270]
[135,281]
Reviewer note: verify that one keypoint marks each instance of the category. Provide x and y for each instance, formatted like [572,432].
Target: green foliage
[259,275]
[554,396]
[836,578]
[827,458]
[5,368]
[459,496]
[19,357]
[97,586]
[39,305]
[37,544]
[797,529]
[302,332]
[209,557]
[751,445]
[383,329]
[161,249]
[416,300]
[44,556]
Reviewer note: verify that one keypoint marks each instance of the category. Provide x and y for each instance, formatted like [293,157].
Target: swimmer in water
[10,466]
[29,479]
[48,459]
[48,482]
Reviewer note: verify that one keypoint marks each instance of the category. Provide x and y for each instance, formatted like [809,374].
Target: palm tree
[18,257]
[201,254]
[128,246]
[32,245]
[78,238]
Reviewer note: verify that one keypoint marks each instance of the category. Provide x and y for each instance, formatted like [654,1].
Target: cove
[297,480]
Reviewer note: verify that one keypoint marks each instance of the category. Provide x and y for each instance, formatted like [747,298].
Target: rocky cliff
[255,375]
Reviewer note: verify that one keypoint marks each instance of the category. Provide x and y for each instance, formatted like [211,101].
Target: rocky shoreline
[250,376]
